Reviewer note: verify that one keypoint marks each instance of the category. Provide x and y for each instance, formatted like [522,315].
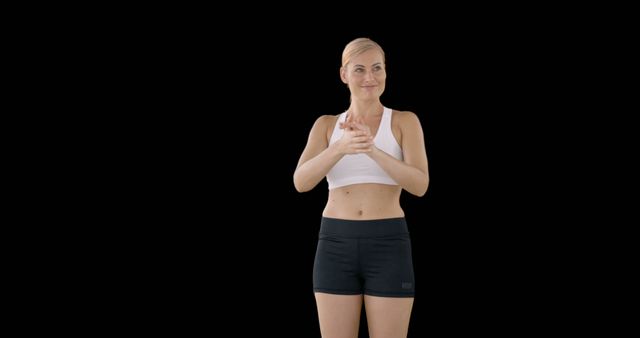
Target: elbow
[300,186]
[419,193]
[421,190]
[424,188]
[302,189]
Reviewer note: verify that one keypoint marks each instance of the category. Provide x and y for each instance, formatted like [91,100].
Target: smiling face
[365,75]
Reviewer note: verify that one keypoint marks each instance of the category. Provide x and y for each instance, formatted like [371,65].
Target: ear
[343,75]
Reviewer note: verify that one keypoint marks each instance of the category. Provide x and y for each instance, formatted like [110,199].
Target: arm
[318,157]
[412,174]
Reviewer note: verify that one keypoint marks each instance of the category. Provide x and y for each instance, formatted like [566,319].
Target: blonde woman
[368,154]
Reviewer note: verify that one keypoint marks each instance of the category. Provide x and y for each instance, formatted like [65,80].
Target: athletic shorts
[370,257]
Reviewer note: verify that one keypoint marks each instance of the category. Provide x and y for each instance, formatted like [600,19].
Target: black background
[217,116]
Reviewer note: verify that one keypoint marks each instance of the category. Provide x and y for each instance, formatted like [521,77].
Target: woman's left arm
[412,174]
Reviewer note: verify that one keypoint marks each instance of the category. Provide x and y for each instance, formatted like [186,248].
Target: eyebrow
[375,64]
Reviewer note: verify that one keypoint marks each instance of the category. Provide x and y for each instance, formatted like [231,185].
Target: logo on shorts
[406,285]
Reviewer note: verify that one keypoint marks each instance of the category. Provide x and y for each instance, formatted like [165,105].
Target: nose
[368,76]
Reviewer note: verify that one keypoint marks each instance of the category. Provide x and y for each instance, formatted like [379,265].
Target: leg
[339,315]
[388,317]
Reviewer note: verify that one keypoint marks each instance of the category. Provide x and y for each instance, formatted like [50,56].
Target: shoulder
[324,125]
[326,121]
[405,118]
[327,118]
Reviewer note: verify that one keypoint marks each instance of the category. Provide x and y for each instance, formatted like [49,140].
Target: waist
[364,228]
[364,202]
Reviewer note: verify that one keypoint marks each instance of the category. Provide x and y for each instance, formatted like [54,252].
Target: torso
[364,201]
[369,200]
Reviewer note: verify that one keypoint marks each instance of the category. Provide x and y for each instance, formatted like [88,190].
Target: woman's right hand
[356,138]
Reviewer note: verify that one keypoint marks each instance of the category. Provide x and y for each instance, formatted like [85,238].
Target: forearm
[311,172]
[410,178]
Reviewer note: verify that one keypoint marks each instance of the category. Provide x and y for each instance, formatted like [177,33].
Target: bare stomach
[364,201]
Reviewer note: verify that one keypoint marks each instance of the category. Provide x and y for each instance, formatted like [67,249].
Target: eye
[359,70]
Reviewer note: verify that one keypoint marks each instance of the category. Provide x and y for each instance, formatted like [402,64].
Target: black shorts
[370,257]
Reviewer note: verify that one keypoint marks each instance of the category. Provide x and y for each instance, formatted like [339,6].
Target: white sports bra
[360,168]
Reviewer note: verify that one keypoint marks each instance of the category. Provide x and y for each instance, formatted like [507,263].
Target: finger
[361,126]
[362,139]
[359,132]
[347,124]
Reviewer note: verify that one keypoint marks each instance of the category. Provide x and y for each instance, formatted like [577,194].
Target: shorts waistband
[364,228]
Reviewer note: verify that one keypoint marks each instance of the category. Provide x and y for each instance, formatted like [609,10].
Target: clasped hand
[356,138]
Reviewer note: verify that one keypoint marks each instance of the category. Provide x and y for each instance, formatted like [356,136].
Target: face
[365,75]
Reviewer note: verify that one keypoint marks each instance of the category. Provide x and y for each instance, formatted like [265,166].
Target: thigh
[388,317]
[336,268]
[339,315]
[387,267]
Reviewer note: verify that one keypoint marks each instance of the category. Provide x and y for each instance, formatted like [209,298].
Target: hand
[356,137]
[355,124]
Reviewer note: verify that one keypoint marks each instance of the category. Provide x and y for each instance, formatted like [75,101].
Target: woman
[368,154]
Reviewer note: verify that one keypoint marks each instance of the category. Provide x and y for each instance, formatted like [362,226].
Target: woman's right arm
[317,158]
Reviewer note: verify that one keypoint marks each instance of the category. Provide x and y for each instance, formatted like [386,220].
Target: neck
[365,109]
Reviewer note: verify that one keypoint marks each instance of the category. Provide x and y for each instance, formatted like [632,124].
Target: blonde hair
[357,47]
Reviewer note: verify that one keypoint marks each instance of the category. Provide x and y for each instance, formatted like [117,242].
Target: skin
[365,75]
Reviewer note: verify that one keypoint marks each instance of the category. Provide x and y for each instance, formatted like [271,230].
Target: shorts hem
[390,294]
[337,292]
